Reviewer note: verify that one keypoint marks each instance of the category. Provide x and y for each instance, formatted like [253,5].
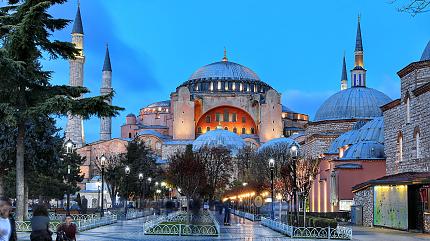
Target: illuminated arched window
[235,130]
[417,137]
[252,131]
[243,131]
[199,130]
[226,128]
[208,129]
[399,148]
[158,145]
[208,119]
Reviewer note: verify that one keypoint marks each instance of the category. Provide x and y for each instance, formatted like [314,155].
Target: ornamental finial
[224,59]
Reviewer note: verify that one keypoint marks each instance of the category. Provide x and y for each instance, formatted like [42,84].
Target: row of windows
[243,130]
[227,86]
[417,139]
[226,117]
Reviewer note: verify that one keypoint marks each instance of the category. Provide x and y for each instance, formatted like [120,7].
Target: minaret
[358,74]
[344,78]
[75,128]
[106,122]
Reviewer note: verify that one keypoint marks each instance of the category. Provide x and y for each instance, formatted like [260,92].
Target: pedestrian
[67,230]
[40,224]
[226,214]
[7,222]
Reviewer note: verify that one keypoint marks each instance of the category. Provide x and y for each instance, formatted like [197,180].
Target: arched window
[199,130]
[129,135]
[417,142]
[243,130]
[208,129]
[226,128]
[399,148]
[408,109]
[158,145]
[235,130]
[252,131]
[208,119]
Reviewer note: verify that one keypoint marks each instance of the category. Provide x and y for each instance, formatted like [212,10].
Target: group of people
[39,224]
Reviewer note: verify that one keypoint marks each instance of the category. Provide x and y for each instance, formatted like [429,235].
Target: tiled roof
[404,178]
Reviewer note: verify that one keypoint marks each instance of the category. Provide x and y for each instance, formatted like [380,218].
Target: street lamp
[127,172]
[102,164]
[69,149]
[294,152]
[141,188]
[272,168]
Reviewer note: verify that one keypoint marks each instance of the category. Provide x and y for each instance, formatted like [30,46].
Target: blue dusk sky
[294,46]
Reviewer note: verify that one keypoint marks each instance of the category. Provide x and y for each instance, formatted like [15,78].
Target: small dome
[282,141]
[165,103]
[371,131]
[426,54]
[220,138]
[352,103]
[365,150]
[131,115]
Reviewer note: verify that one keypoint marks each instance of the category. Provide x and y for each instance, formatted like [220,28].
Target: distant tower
[75,128]
[106,122]
[358,74]
[344,78]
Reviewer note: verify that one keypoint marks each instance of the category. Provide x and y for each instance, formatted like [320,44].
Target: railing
[308,232]
[176,224]
[61,217]
[216,223]
[82,224]
[249,216]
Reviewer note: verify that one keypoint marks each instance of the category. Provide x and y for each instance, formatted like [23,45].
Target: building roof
[77,25]
[426,53]
[220,138]
[344,75]
[131,115]
[349,166]
[358,40]
[404,178]
[224,70]
[352,103]
[106,65]
[282,142]
[286,109]
[365,150]
[371,131]
[343,140]
[164,103]
[154,133]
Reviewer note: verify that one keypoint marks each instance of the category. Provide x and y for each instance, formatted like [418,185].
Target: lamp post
[141,189]
[272,168]
[98,195]
[294,152]
[69,148]
[127,172]
[102,164]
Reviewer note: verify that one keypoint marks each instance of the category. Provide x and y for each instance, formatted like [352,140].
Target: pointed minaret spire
[224,59]
[358,74]
[107,66]
[344,77]
[77,25]
[106,122]
[358,41]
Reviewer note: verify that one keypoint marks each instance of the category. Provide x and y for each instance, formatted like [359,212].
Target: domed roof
[131,115]
[219,138]
[364,150]
[426,53]
[225,76]
[165,103]
[352,103]
[371,131]
[278,142]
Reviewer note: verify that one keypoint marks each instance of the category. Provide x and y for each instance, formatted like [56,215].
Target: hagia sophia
[364,139]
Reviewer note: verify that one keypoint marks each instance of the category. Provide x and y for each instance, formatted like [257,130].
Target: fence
[249,216]
[82,224]
[61,217]
[175,224]
[308,232]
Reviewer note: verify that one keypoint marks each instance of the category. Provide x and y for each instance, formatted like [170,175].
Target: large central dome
[352,103]
[225,76]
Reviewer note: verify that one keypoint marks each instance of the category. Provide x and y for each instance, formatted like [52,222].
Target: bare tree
[113,173]
[413,7]
[187,172]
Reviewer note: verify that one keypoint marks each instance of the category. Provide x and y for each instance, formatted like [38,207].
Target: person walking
[226,214]
[7,222]
[40,224]
[67,230]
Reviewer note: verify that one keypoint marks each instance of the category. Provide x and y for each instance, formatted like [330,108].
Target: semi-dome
[219,138]
[225,76]
[365,150]
[282,142]
[370,131]
[352,103]
[165,103]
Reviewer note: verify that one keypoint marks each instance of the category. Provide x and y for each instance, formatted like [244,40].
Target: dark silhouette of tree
[412,7]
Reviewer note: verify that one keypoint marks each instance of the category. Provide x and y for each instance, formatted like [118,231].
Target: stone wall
[397,125]
[364,198]
[426,219]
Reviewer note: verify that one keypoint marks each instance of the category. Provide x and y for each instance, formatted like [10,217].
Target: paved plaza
[240,229]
